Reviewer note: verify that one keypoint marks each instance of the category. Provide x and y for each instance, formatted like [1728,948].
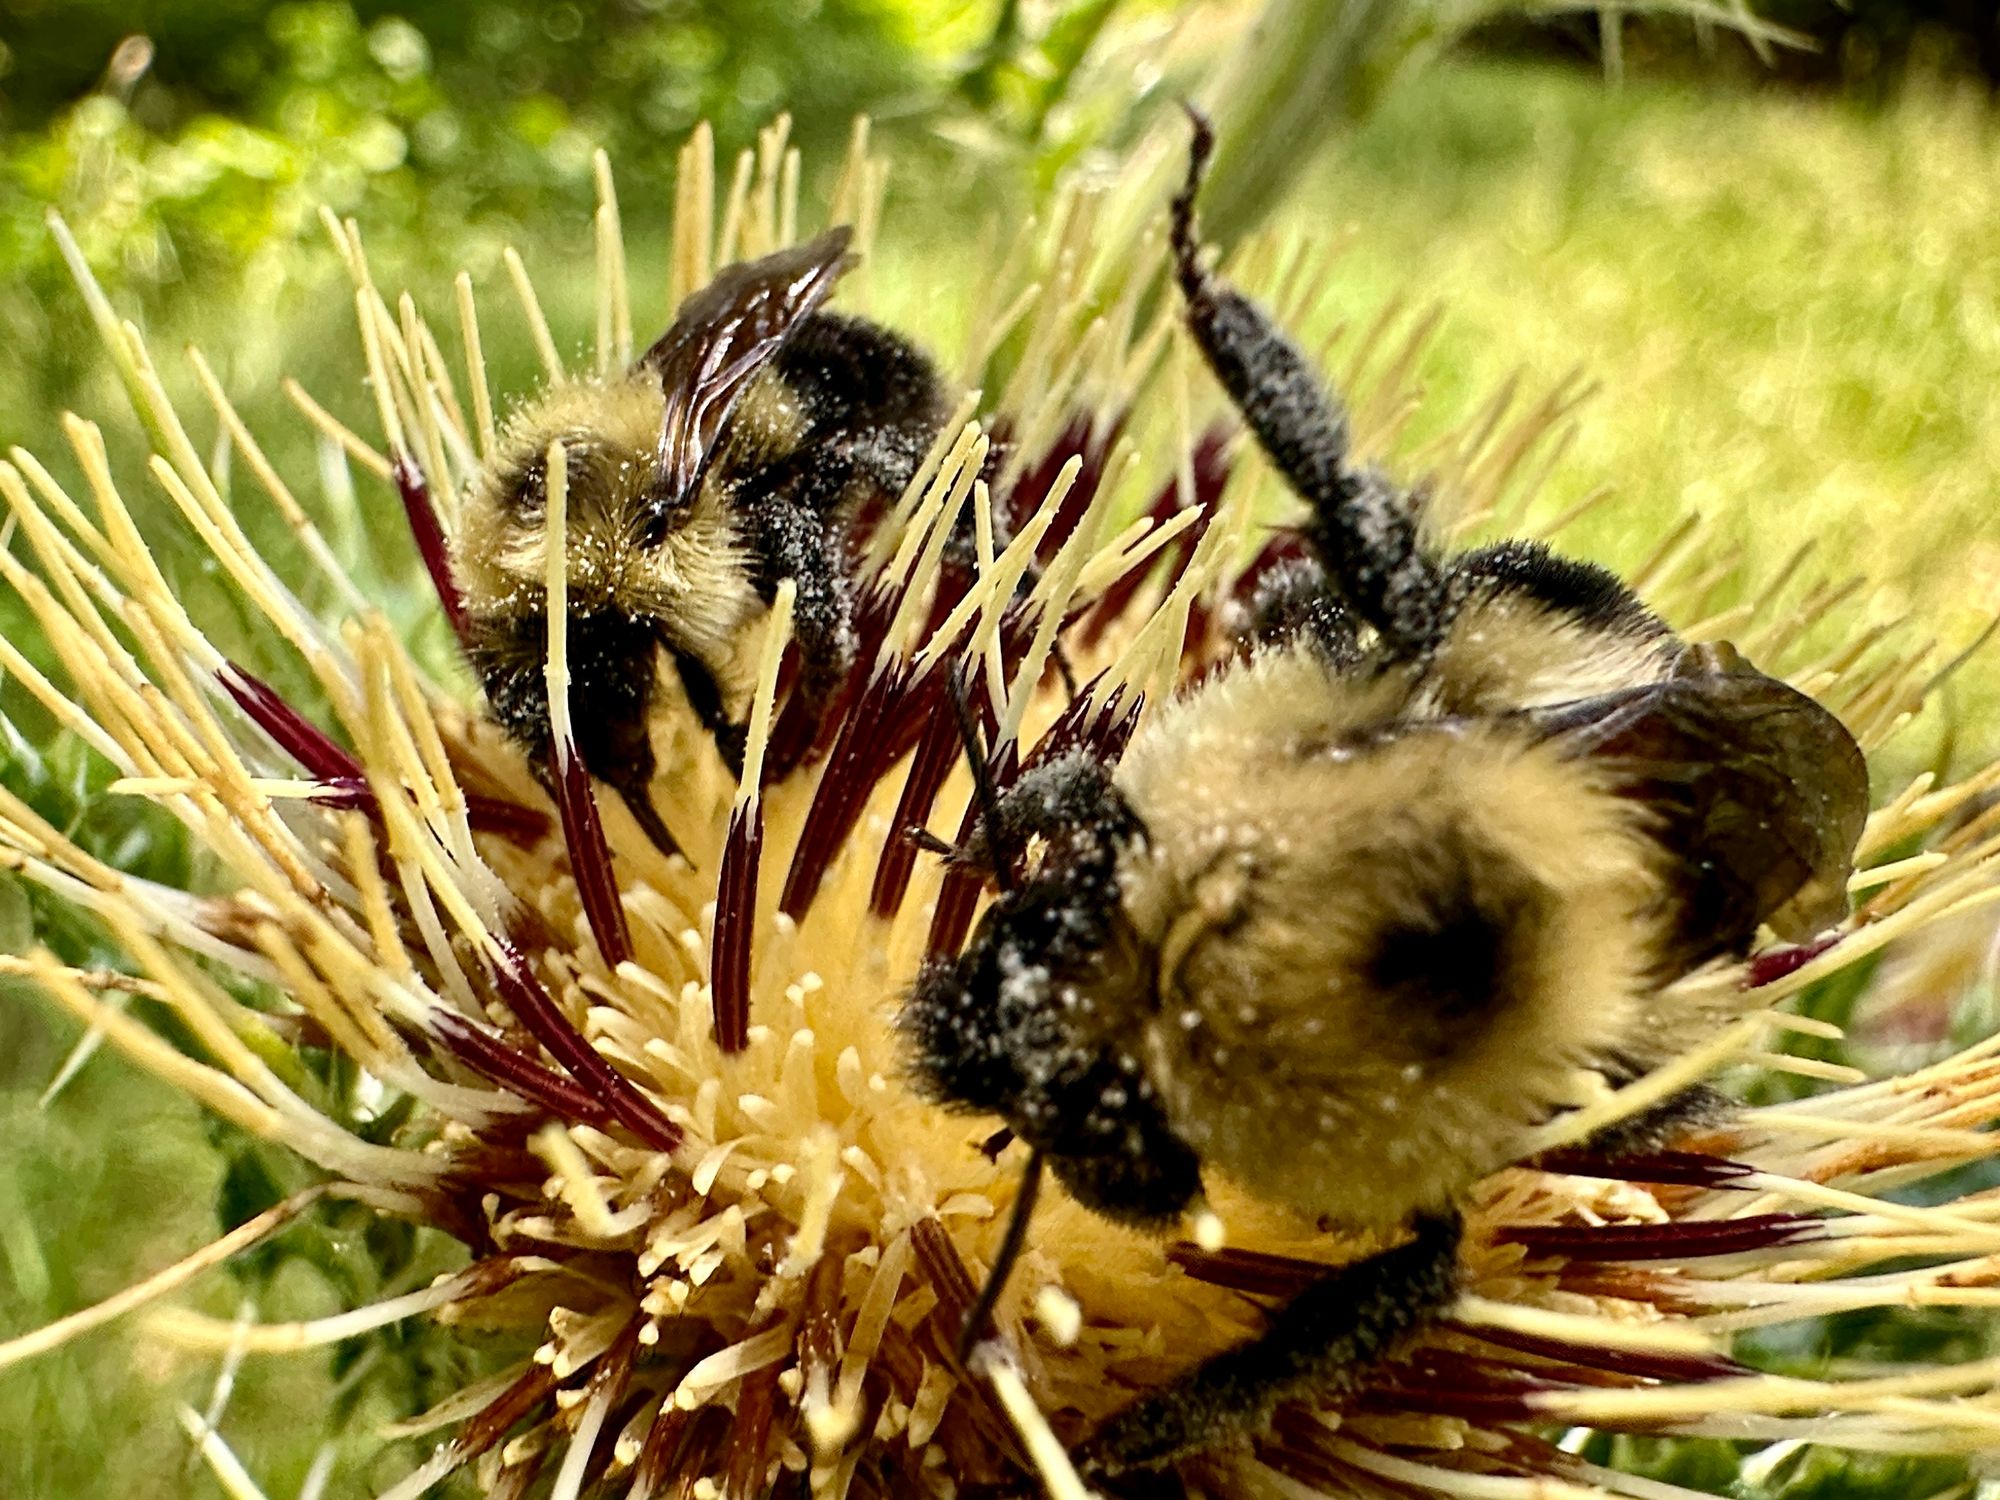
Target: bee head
[602,477]
[606,429]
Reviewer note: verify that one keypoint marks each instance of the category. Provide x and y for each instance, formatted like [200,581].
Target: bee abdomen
[1462,950]
[1370,1019]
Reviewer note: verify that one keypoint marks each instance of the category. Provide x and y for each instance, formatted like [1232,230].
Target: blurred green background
[1781,268]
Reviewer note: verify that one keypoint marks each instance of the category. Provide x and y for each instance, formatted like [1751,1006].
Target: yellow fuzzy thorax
[779,1290]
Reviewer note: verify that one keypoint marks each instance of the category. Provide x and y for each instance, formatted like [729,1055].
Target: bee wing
[721,338]
[1758,792]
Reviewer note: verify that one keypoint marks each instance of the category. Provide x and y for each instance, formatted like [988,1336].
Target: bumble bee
[738,451]
[1349,916]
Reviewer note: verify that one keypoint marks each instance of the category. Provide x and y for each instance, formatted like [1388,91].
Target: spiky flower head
[660,1100]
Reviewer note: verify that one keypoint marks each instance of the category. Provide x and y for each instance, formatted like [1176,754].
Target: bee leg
[705,698]
[1292,603]
[1653,1130]
[619,753]
[1321,1343]
[1363,528]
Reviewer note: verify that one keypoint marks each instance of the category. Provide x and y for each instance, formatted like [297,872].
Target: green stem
[1309,70]
[1305,71]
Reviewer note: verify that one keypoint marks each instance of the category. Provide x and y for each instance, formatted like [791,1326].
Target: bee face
[606,429]
[625,549]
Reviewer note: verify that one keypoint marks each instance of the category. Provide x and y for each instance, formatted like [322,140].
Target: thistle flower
[660,1102]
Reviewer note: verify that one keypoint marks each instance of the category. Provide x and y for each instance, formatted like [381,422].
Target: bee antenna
[1003,1263]
[982,782]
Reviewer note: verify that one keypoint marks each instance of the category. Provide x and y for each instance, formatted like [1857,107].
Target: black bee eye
[528,488]
[661,512]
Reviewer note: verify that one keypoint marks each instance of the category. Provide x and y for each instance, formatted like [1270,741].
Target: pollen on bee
[832,1428]
[1209,1231]
[1060,1315]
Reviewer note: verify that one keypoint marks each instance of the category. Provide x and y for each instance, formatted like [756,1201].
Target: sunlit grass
[1792,308]
[117,1178]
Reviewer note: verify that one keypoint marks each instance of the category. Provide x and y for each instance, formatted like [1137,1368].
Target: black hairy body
[1355,915]
[739,451]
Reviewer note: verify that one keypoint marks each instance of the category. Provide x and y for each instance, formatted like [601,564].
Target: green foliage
[1822,1474]
[1025,77]
[65,783]
[452,124]
[1713,1466]
[113,1137]
[647,67]
[1785,301]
